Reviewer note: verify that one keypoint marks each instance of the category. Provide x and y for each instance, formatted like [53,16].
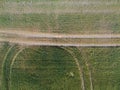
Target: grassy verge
[65,23]
[61,16]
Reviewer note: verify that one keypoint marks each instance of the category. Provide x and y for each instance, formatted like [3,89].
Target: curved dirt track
[5,36]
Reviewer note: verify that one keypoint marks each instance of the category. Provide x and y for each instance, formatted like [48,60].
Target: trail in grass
[79,68]
[4,68]
[12,63]
[89,70]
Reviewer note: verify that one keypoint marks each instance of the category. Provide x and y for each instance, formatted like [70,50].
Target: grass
[6,66]
[65,23]
[43,68]
[62,16]
[53,68]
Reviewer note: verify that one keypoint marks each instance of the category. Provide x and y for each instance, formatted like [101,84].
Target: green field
[54,68]
[60,68]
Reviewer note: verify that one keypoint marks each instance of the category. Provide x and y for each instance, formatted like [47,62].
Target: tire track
[90,73]
[79,68]
[12,63]
[3,71]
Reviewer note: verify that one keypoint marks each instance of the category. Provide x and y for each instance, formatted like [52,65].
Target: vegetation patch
[55,68]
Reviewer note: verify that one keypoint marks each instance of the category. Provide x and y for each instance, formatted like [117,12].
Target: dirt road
[5,36]
[55,35]
[39,43]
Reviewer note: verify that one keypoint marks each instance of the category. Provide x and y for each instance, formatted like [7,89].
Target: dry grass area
[61,16]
